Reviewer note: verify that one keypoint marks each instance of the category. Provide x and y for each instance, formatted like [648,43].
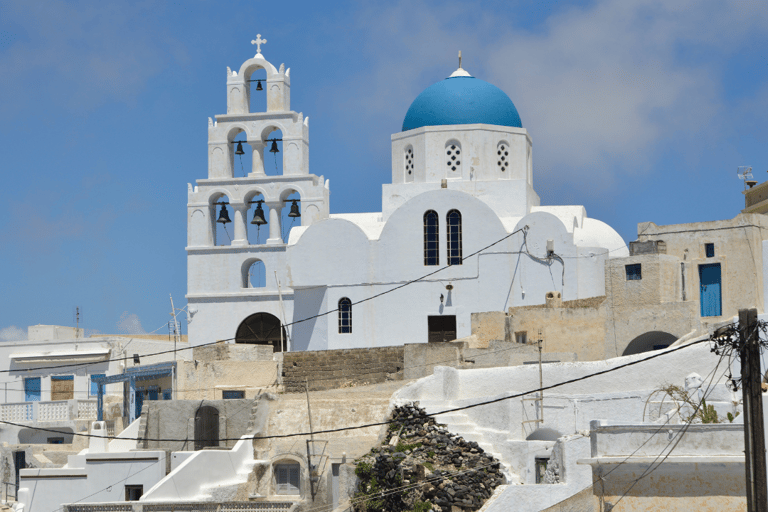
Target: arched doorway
[653,340]
[262,329]
[206,427]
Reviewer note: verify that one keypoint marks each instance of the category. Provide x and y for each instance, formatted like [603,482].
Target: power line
[407,283]
[381,423]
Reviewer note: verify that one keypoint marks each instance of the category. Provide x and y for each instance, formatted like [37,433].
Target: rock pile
[421,466]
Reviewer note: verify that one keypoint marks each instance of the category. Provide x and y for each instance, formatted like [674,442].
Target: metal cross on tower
[459,59]
[258,42]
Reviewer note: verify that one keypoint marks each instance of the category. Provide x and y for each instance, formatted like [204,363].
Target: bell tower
[222,291]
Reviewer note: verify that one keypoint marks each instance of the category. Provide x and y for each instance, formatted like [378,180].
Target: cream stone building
[679,280]
[461,230]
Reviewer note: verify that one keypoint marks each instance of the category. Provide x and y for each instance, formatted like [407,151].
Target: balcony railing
[57,410]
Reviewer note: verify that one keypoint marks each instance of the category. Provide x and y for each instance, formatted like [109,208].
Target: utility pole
[752,393]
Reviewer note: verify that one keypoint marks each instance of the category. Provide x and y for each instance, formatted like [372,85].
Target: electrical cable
[319,315]
[661,427]
[381,423]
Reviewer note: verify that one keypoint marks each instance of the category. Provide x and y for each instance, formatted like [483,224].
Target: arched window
[453,221]
[431,238]
[257,275]
[345,316]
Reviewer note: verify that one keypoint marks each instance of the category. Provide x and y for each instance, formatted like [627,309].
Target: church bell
[294,210]
[239,150]
[223,216]
[258,216]
[274,148]
[258,86]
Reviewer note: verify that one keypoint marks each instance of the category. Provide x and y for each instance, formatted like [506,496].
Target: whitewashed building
[461,197]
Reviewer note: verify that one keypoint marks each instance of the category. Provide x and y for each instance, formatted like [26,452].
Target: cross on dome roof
[460,71]
[258,42]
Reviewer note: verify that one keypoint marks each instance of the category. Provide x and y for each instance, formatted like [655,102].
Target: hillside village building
[211,436]
[461,196]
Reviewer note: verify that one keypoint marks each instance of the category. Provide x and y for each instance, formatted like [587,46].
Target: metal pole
[752,393]
[282,311]
[541,383]
[311,443]
[175,338]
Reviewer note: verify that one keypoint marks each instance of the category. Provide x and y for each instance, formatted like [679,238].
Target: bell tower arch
[240,143]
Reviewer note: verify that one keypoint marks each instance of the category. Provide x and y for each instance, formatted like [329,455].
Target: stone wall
[329,369]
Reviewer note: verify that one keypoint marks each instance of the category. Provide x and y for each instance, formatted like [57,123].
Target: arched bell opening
[290,215]
[258,219]
[255,274]
[653,340]
[221,215]
[272,139]
[242,155]
[256,85]
[262,329]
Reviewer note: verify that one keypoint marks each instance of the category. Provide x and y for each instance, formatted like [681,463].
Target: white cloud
[603,89]
[129,323]
[13,333]
[79,54]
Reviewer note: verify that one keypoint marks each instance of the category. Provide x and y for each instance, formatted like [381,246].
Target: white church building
[461,228]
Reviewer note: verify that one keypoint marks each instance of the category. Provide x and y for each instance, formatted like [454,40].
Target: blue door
[710,289]
[32,389]
[139,400]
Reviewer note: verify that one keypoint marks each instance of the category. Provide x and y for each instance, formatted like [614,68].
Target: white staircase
[491,441]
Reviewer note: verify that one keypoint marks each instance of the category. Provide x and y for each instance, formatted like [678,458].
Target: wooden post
[752,393]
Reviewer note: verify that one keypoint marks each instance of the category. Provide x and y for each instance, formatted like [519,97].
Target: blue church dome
[461,100]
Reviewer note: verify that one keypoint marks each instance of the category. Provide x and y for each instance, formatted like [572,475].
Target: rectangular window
[232,394]
[288,478]
[55,440]
[634,272]
[94,386]
[32,389]
[133,492]
[709,249]
[521,337]
[62,387]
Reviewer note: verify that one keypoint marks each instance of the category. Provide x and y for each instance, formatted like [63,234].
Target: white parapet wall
[202,472]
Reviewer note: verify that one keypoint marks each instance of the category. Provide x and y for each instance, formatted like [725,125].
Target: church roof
[461,99]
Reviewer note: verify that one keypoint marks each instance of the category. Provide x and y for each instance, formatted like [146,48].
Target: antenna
[76,317]
[744,172]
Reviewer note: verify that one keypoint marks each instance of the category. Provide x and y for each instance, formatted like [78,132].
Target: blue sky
[640,110]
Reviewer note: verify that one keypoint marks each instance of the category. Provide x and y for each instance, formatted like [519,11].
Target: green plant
[429,465]
[422,506]
[364,470]
[430,454]
[401,447]
[702,412]
[731,417]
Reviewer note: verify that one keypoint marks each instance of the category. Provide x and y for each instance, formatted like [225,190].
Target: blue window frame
[709,249]
[32,389]
[95,387]
[167,394]
[345,316]
[634,272]
[232,394]
[431,238]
